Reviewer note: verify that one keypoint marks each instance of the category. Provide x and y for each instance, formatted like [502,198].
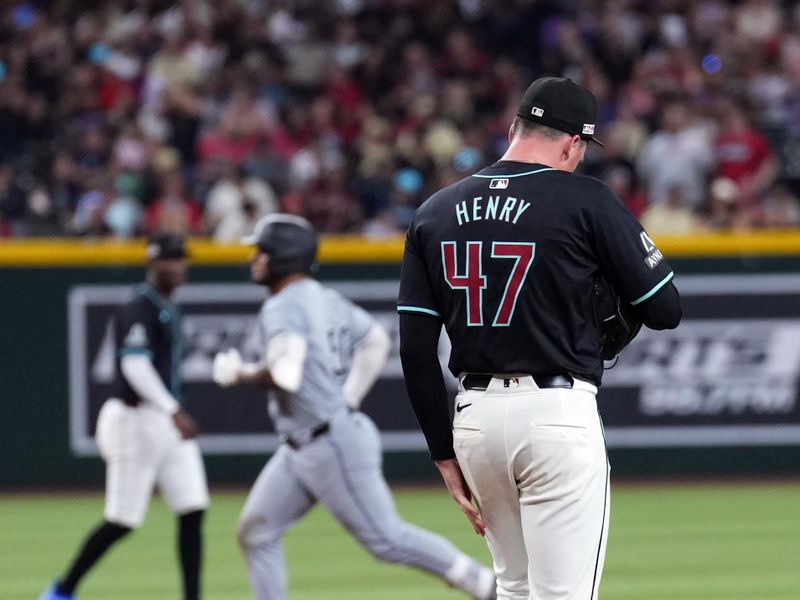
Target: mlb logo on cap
[498,184]
[537,112]
[588,129]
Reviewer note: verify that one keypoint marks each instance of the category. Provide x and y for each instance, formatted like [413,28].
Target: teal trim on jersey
[656,287]
[514,174]
[131,350]
[177,354]
[150,292]
[169,313]
[418,309]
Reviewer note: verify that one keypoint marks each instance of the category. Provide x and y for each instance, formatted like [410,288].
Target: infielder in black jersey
[507,260]
[143,433]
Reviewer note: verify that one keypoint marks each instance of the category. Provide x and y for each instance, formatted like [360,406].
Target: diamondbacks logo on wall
[218,317]
[498,184]
[654,255]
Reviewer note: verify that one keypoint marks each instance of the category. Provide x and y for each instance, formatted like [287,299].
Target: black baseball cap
[166,245]
[562,104]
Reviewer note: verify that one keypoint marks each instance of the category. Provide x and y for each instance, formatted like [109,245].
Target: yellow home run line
[355,249]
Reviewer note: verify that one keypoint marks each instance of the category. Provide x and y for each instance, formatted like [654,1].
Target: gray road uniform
[331,452]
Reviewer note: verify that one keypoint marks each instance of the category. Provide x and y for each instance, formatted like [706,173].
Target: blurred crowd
[123,117]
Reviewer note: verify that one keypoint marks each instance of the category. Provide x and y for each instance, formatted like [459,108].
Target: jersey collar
[150,292]
[512,168]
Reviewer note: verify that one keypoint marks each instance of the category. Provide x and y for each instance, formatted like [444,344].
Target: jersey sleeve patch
[654,256]
[136,341]
[136,337]
[418,309]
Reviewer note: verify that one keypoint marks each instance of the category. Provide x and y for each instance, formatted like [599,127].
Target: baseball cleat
[53,594]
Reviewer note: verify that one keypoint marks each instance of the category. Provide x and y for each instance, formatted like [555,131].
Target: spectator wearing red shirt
[174,211]
[346,97]
[244,119]
[742,153]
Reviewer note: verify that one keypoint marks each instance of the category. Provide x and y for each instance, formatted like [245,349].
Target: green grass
[676,542]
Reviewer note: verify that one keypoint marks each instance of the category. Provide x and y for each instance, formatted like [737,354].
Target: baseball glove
[617,322]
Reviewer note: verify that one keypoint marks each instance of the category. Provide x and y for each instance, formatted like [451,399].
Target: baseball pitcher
[514,262]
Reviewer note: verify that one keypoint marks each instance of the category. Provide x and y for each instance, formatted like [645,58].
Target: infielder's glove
[227,365]
[617,322]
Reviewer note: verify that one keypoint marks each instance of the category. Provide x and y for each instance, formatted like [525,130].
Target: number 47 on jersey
[473,281]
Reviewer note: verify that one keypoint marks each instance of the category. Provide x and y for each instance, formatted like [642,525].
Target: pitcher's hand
[460,492]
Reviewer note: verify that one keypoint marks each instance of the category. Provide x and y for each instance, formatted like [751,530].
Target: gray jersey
[332,327]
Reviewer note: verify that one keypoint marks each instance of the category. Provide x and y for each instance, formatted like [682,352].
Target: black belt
[315,432]
[480,381]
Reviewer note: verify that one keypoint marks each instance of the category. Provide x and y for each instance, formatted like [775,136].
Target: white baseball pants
[535,460]
[143,448]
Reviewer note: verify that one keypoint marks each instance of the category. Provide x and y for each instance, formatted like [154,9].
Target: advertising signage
[729,375]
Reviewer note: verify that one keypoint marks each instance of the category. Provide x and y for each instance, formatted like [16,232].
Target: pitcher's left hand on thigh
[460,492]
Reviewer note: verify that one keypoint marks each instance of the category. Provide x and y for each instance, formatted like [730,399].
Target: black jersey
[149,324]
[507,259]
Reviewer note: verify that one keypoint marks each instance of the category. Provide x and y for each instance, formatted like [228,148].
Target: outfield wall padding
[718,395]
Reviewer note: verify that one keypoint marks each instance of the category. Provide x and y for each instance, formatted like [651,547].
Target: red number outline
[523,253]
[473,282]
